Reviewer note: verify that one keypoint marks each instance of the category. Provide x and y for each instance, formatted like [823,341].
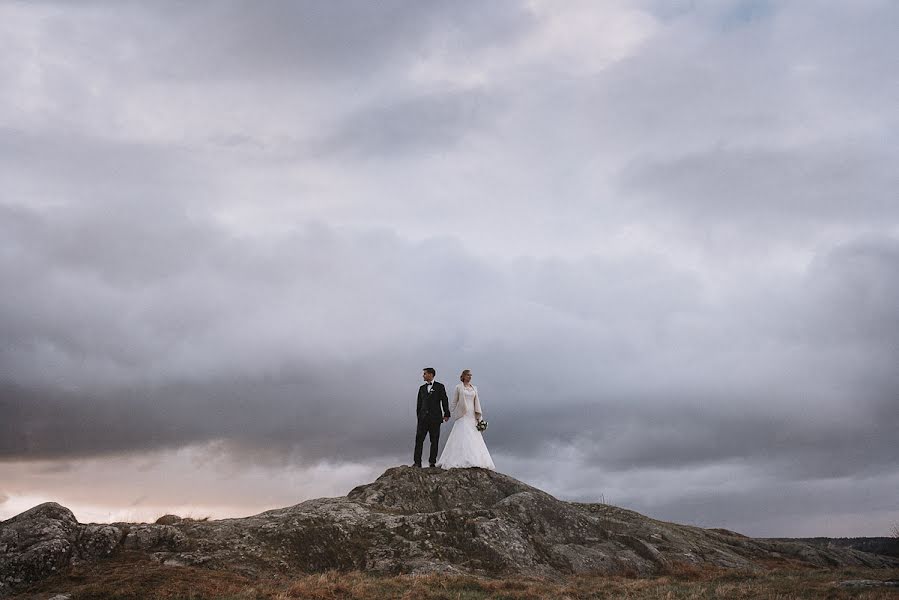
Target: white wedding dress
[465,445]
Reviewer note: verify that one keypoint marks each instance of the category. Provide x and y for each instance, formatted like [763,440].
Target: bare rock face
[36,544]
[407,521]
[471,489]
[96,541]
[168,520]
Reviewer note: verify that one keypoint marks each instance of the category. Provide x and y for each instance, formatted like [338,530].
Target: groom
[431,396]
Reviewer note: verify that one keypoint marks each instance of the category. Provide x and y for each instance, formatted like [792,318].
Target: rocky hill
[887,546]
[407,521]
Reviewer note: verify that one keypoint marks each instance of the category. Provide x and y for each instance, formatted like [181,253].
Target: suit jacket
[429,405]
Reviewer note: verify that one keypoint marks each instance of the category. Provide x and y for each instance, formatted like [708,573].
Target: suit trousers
[432,430]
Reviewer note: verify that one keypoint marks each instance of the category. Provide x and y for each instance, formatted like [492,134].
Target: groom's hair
[430,370]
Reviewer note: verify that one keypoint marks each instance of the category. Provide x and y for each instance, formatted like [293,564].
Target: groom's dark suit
[430,417]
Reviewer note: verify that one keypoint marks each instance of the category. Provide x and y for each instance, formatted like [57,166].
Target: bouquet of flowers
[482,425]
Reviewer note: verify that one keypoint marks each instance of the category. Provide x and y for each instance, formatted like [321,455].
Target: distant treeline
[886,546]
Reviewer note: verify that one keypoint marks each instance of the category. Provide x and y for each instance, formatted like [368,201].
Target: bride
[465,445]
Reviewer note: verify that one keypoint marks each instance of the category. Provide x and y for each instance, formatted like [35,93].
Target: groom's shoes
[432,465]
[417,465]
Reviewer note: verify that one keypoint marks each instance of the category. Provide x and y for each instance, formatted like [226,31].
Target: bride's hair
[464,373]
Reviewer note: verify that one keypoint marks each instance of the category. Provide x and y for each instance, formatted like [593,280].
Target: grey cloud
[803,507]
[781,407]
[322,40]
[837,183]
[586,288]
[620,435]
[791,450]
[431,123]
[647,399]
[780,123]
[855,289]
[94,179]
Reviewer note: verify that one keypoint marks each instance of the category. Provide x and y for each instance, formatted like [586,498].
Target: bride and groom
[465,445]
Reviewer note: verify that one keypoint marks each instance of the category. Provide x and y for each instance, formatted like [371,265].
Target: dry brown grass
[129,578]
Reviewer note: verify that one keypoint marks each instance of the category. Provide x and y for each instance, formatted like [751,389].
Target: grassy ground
[142,580]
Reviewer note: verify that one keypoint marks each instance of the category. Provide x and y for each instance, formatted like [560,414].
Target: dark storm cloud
[784,406]
[806,506]
[788,448]
[650,402]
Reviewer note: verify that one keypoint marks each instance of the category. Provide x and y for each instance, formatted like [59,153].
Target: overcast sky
[663,235]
